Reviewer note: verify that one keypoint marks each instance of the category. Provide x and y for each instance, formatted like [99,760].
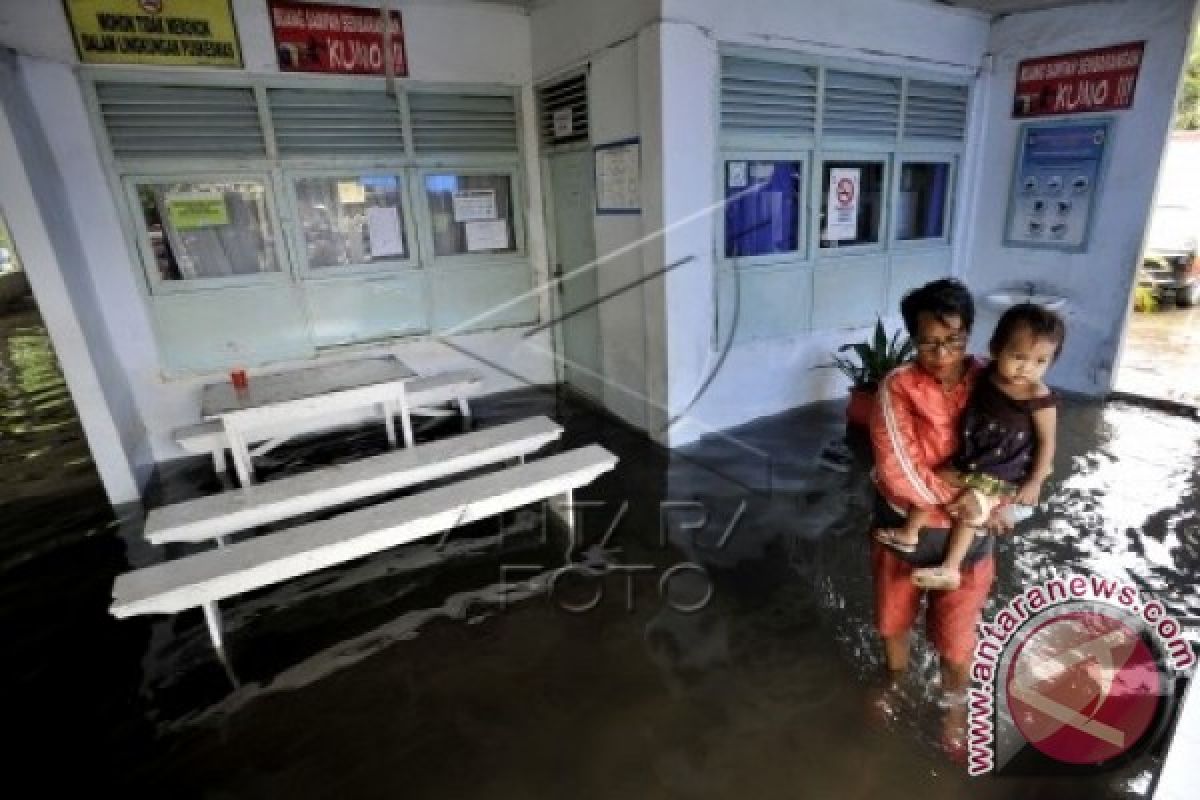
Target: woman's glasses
[953,344]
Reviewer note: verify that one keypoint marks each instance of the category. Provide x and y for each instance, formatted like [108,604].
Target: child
[1006,450]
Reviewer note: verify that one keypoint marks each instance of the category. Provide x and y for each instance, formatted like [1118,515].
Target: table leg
[240,452]
[389,421]
[212,618]
[405,419]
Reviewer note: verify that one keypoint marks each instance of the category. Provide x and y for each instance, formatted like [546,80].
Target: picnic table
[292,400]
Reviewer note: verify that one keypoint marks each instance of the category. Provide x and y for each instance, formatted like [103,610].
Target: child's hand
[1029,494]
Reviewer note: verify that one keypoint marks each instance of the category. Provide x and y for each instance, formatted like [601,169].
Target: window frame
[801,254]
[306,272]
[882,242]
[913,157]
[509,169]
[156,283]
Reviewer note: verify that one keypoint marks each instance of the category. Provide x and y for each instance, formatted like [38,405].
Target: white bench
[203,579]
[423,394]
[215,516]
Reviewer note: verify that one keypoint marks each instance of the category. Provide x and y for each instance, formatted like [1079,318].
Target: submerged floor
[441,671]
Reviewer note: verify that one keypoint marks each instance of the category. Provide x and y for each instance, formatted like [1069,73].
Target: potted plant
[875,358]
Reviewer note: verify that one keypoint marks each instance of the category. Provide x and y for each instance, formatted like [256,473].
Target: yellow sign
[160,32]
[197,210]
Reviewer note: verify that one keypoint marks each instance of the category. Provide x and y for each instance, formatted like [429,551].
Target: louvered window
[463,123]
[935,111]
[860,105]
[145,121]
[767,97]
[321,122]
[563,111]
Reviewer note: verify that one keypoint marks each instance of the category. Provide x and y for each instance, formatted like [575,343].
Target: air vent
[563,111]
[145,121]
[767,97]
[935,111]
[320,122]
[860,105]
[457,123]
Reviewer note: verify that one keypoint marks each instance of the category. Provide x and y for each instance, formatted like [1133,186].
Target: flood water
[453,669]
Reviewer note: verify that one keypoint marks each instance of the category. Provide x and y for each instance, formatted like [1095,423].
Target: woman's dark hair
[943,298]
[1042,323]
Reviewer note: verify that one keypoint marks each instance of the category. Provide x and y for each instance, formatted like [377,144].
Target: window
[471,214]
[349,220]
[860,185]
[206,230]
[922,200]
[762,207]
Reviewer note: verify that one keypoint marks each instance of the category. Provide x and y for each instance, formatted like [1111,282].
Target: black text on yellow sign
[158,32]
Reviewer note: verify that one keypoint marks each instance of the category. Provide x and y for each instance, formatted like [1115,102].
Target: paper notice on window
[737,175]
[841,210]
[191,210]
[350,192]
[383,231]
[474,204]
[489,234]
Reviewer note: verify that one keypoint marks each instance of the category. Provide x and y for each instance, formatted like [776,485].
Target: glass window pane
[868,204]
[762,207]
[921,203]
[471,214]
[208,230]
[353,219]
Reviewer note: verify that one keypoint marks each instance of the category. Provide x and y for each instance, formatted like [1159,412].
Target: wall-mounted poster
[1078,83]
[1058,171]
[619,177]
[172,33]
[842,212]
[344,40]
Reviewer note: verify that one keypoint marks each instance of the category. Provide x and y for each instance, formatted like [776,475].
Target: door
[578,328]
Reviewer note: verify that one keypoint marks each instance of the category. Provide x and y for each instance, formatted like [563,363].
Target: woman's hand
[1029,494]
[1000,521]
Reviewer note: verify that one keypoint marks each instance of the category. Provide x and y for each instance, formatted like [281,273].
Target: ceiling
[1011,6]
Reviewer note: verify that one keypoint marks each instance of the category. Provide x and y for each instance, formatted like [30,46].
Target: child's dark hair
[943,298]
[1041,322]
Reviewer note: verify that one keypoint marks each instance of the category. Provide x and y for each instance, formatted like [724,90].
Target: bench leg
[212,618]
[389,421]
[563,507]
[465,411]
[222,541]
[218,457]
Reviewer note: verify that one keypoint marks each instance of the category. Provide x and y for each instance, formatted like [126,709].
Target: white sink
[1002,301]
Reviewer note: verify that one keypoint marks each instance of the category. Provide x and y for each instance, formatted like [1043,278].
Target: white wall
[618,42]
[35,205]
[1097,283]
[711,386]
[446,42]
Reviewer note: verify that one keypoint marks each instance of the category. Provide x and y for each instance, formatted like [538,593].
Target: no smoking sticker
[841,212]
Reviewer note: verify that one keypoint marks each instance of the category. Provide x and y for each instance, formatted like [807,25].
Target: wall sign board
[174,33]
[619,177]
[1078,83]
[1057,177]
[344,40]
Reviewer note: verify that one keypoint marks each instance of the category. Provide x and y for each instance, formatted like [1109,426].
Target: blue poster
[1053,193]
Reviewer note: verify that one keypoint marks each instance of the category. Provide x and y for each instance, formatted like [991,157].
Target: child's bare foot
[897,539]
[938,579]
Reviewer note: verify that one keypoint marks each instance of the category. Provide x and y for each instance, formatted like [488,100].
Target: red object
[344,40]
[950,617]
[862,403]
[1078,83]
[238,379]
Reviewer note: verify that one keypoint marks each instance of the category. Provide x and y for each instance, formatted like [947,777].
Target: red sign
[1076,83]
[315,37]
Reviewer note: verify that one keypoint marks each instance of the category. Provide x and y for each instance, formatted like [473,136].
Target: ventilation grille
[180,121]
[861,105]
[563,101]
[935,111]
[767,97]
[457,123]
[319,122]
